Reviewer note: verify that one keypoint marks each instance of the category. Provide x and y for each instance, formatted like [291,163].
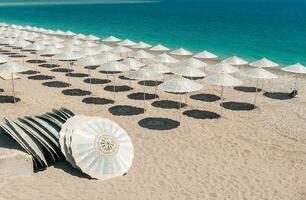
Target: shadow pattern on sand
[76,92]
[247,89]
[141,95]
[167,104]
[36,61]
[158,123]
[62,70]
[8,99]
[76,75]
[121,88]
[56,84]
[125,110]
[201,114]
[278,95]
[238,106]
[49,66]
[29,72]
[205,97]
[97,101]
[96,81]
[150,83]
[40,77]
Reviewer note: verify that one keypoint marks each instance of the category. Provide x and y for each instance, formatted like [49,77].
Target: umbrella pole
[89,74]
[114,88]
[295,83]
[155,88]
[144,96]
[68,65]
[13,85]
[262,85]
[186,98]
[256,93]
[51,62]
[221,100]
[180,106]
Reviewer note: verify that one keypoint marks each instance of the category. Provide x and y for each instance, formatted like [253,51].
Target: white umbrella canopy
[69,33]
[205,55]
[222,80]
[90,61]
[159,68]
[56,39]
[89,43]
[121,49]
[159,48]
[12,68]
[92,38]
[165,59]
[67,55]
[109,57]
[141,54]
[234,60]
[88,51]
[111,39]
[72,47]
[49,50]
[188,71]
[104,48]
[3,59]
[264,63]
[34,47]
[7,41]
[258,73]
[181,52]
[80,36]
[20,43]
[296,69]
[132,63]
[180,85]
[144,74]
[192,62]
[141,45]
[126,43]
[75,42]
[222,68]
[102,149]
[114,66]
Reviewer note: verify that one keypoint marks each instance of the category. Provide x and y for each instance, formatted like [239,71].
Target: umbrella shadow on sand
[124,110]
[40,77]
[76,92]
[150,83]
[247,89]
[121,88]
[36,61]
[50,66]
[238,106]
[8,99]
[201,114]
[56,84]
[29,72]
[62,70]
[141,96]
[76,75]
[205,97]
[278,95]
[1,90]
[158,123]
[97,101]
[166,104]
[66,167]
[96,81]
[17,56]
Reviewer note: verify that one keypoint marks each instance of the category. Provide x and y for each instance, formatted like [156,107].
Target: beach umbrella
[34,47]
[3,59]
[145,75]
[191,62]
[101,148]
[126,43]
[69,34]
[104,48]
[80,36]
[188,72]
[141,54]
[111,39]
[92,38]
[73,42]
[109,57]
[180,85]
[88,51]
[205,55]
[68,55]
[114,66]
[121,50]
[159,49]
[13,68]
[141,45]
[258,73]
[7,41]
[234,60]
[159,68]
[222,80]
[50,51]
[181,52]
[264,63]
[164,59]
[295,69]
[132,63]
[20,43]
[88,44]
[222,68]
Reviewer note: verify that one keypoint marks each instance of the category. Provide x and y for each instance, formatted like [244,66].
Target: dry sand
[247,155]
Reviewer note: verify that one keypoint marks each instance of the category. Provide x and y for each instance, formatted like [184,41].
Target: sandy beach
[256,154]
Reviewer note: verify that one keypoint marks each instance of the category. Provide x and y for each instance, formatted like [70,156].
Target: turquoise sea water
[252,29]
